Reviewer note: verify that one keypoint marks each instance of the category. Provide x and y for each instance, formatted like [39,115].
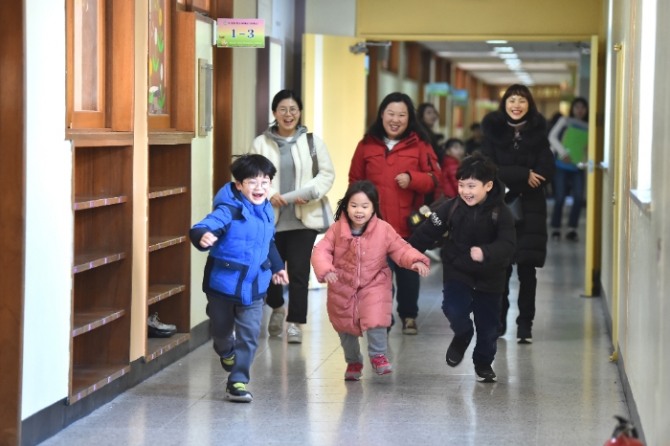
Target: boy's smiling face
[255,189]
[473,191]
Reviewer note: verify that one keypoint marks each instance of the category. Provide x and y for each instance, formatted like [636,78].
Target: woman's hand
[300,201]
[476,254]
[403,180]
[535,179]
[278,201]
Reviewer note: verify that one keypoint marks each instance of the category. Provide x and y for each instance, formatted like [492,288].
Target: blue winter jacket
[242,261]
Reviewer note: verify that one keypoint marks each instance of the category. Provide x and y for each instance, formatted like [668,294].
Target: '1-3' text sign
[240,33]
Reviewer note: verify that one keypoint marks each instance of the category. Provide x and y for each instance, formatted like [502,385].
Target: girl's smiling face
[395,119]
[359,210]
[255,189]
[473,191]
[516,106]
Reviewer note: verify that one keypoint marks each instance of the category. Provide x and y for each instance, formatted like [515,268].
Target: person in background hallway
[474,142]
[515,138]
[396,156]
[239,232]
[428,116]
[475,258]
[298,198]
[352,259]
[569,174]
[453,155]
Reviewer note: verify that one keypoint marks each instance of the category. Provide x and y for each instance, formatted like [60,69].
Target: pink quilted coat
[361,298]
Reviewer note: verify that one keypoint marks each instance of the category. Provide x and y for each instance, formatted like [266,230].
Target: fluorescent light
[496,42]
[503,49]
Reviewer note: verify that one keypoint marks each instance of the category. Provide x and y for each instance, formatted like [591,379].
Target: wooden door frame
[12,205]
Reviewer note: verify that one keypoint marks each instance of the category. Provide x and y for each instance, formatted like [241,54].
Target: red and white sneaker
[353,372]
[381,365]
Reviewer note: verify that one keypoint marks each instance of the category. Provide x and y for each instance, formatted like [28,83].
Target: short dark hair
[413,124]
[518,90]
[365,186]
[280,96]
[252,165]
[477,166]
[448,144]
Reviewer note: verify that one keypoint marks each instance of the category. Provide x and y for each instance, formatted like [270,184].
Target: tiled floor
[560,390]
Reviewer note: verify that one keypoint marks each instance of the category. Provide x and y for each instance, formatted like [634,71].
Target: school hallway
[560,390]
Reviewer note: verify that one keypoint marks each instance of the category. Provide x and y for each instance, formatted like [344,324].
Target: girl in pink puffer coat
[352,259]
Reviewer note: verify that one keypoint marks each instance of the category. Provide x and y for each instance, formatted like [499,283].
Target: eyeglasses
[264,184]
[286,111]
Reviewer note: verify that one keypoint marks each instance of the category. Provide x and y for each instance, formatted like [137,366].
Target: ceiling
[537,63]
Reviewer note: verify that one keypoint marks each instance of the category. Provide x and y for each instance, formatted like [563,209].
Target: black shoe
[524,335]
[157,329]
[238,392]
[485,374]
[556,235]
[228,362]
[457,349]
[572,236]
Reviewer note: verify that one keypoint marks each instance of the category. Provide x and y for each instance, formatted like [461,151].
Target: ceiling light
[496,42]
[503,49]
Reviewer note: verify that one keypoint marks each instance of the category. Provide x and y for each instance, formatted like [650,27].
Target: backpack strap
[312,153]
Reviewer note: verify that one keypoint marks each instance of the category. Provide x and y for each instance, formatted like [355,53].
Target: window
[86,63]
[646,105]
[159,64]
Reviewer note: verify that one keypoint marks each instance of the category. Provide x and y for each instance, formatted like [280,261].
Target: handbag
[326,210]
[514,204]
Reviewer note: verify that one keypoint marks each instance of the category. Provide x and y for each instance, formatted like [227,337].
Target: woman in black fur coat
[515,137]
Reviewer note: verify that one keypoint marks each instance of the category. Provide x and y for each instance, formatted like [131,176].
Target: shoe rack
[169,247]
[102,206]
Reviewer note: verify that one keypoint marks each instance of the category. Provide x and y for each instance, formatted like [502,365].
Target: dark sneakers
[227,362]
[457,349]
[238,393]
[485,374]
[524,335]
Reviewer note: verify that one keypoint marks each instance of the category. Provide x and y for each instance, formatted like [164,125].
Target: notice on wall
[240,33]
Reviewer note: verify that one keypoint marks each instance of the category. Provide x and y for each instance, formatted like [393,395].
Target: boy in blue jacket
[243,259]
[480,244]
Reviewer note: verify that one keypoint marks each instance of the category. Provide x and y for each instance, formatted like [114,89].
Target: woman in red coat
[396,156]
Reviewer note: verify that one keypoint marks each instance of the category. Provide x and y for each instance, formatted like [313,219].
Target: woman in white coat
[304,175]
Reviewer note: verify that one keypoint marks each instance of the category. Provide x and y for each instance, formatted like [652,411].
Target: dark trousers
[458,302]
[407,284]
[527,288]
[295,247]
[564,181]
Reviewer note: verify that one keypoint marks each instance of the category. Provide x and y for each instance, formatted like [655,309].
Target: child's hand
[330,277]
[477,254]
[421,268]
[208,239]
[280,278]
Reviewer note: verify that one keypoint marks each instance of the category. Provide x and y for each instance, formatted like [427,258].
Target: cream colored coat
[362,297]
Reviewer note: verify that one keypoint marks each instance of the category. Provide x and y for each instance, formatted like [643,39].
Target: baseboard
[51,420]
[621,366]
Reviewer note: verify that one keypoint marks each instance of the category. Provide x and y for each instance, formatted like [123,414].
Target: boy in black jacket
[475,256]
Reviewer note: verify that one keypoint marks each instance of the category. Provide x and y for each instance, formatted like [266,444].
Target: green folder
[576,140]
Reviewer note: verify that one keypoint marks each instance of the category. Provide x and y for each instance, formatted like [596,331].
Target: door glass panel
[157,58]
[87,64]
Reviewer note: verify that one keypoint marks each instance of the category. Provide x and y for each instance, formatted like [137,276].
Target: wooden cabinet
[102,206]
[168,291]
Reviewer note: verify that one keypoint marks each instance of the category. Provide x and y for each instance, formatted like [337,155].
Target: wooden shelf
[85,321]
[160,292]
[159,346]
[159,192]
[88,379]
[84,262]
[156,243]
[99,138]
[90,202]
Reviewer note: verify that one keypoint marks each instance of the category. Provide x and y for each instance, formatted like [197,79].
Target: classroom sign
[240,33]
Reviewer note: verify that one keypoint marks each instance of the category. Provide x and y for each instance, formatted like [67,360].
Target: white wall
[49,217]
[201,177]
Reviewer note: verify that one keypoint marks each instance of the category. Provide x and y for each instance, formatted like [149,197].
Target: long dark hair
[368,189]
[413,124]
[584,102]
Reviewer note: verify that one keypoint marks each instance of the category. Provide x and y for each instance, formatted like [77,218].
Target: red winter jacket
[361,298]
[374,162]
[449,181]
